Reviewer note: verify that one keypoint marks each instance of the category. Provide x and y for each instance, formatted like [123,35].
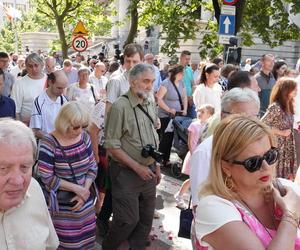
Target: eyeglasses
[230,113]
[254,163]
[78,127]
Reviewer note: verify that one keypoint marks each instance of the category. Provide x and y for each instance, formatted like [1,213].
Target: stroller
[180,143]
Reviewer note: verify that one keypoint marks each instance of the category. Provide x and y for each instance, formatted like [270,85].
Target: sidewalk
[164,230]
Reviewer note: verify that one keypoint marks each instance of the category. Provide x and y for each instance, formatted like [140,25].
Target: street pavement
[164,231]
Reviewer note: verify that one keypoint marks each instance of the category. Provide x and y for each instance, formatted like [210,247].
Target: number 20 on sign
[79,43]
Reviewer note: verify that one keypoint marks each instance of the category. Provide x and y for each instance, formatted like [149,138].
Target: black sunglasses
[254,163]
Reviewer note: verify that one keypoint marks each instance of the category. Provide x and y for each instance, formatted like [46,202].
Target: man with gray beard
[130,126]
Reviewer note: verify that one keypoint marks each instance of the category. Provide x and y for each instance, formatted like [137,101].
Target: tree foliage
[31,21]
[179,21]
[66,13]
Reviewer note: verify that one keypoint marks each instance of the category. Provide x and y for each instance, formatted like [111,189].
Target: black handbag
[185,223]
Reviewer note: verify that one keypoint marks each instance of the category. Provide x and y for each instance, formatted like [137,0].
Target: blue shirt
[188,78]
[7,107]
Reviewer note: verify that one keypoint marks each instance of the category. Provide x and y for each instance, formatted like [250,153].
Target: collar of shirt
[27,195]
[266,76]
[134,100]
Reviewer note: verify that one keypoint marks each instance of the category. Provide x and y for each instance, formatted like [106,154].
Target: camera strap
[137,123]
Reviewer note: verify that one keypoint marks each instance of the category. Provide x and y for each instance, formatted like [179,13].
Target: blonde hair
[72,114]
[210,108]
[231,137]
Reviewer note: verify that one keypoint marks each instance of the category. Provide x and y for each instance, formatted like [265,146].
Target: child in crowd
[195,131]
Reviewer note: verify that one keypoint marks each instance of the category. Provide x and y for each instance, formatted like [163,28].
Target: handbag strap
[65,157]
[179,96]
[190,201]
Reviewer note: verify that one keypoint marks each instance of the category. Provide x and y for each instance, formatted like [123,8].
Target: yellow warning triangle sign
[80,29]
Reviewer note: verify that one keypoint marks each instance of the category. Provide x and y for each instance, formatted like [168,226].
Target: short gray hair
[15,133]
[239,95]
[81,69]
[34,58]
[139,69]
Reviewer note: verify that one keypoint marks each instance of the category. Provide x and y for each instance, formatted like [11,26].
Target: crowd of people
[95,133]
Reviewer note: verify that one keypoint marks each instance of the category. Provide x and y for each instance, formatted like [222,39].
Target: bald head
[100,69]
[58,82]
[149,58]
[50,64]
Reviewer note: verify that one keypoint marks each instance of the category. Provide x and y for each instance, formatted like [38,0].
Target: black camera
[150,150]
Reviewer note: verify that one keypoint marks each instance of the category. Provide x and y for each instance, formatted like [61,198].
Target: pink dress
[196,128]
[256,227]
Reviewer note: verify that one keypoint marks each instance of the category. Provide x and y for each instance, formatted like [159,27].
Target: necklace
[250,210]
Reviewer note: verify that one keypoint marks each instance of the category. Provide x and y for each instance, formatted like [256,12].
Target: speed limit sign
[79,43]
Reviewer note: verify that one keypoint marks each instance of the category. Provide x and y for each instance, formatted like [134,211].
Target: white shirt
[100,84]
[44,112]
[200,167]
[212,213]
[15,70]
[206,95]
[97,118]
[297,104]
[29,225]
[75,93]
[24,91]
[118,72]
[116,87]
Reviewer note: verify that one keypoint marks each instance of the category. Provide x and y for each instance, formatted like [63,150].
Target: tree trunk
[240,7]
[217,9]
[62,37]
[133,24]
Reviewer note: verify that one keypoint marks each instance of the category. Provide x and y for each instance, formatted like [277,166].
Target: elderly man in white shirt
[26,89]
[25,222]
[235,101]
[98,79]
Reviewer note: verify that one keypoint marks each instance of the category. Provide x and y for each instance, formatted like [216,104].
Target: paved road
[165,229]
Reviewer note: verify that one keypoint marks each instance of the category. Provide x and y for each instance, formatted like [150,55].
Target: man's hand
[145,173]
[158,174]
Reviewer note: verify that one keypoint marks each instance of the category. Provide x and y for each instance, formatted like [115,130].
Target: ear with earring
[229,182]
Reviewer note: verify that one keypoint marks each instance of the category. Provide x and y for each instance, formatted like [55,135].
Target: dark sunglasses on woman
[254,163]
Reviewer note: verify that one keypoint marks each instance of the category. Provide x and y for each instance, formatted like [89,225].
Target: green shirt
[121,129]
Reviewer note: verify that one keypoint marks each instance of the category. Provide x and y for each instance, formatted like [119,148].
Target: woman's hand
[285,132]
[172,111]
[184,112]
[82,192]
[79,203]
[290,202]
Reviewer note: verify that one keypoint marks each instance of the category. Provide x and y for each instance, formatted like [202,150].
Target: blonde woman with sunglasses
[239,206]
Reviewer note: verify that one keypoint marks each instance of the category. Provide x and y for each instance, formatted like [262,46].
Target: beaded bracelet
[291,217]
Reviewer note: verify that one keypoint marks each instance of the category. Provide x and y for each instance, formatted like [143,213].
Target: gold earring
[229,182]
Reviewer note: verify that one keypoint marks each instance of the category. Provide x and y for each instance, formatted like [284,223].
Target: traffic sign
[227,25]
[230,2]
[80,30]
[224,39]
[228,10]
[79,43]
